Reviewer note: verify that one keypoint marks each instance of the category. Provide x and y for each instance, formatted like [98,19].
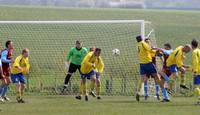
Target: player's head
[92,49]
[78,44]
[97,52]
[187,48]
[167,46]
[139,38]
[25,52]
[194,44]
[148,41]
[9,44]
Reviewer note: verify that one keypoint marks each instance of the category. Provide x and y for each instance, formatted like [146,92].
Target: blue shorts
[18,78]
[98,75]
[89,75]
[197,80]
[173,68]
[148,68]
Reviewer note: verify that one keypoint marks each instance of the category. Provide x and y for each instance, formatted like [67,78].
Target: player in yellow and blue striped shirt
[196,67]
[20,67]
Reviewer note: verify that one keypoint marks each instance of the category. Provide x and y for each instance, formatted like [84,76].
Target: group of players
[13,71]
[173,66]
[90,66]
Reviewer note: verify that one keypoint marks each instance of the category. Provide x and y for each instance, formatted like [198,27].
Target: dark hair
[147,39]
[78,42]
[8,43]
[97,49]
[139,38]
[168,45]
[194,43]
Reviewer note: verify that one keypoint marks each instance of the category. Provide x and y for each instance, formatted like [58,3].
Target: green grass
[67,105]
[49,44]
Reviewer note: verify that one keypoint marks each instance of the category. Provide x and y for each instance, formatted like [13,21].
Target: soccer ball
[116,52]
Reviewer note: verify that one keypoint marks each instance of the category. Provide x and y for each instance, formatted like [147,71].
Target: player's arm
[4,57]
[69,55]
[16,63]
[27,68]
[194,62]
[86,60]
[101,65]
[1,70]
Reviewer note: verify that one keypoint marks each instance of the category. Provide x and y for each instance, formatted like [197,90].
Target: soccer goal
[50,41]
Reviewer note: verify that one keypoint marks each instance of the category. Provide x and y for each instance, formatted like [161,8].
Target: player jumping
[175,64]
[147,67]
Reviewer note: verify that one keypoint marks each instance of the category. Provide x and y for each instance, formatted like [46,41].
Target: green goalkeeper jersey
[76,56]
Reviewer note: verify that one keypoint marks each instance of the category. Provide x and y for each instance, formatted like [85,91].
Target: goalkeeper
[74,59]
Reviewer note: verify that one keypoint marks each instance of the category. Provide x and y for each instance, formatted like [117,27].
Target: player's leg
[5,83]
[158,80]
[157,88]
[79,97]
[146,86]
[92,86]
[183,80]
[196,82]
[142,79]
[21,87]
[2,89]
[173,77]
[71,70]
[98,85]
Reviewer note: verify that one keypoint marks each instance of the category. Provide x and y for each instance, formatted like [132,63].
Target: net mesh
[50,43]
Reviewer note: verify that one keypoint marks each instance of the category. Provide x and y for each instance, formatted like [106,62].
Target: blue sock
[165,94]
[5,89]
[166,78]
[146,88]
[157,89]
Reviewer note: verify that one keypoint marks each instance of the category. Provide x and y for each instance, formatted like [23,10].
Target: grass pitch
[67,105]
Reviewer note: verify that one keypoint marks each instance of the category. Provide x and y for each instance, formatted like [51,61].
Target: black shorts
[73,68]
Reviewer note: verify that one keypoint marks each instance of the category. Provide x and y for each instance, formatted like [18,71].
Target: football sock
[146,88]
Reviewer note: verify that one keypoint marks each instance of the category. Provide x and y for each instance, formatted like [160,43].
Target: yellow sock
[18,94]
[81,89]
[171,84]
[98,89]
[182,80]
[92,85]
[84,87]
[197,91]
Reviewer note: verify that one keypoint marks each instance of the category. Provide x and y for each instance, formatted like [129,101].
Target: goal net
[50,41]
